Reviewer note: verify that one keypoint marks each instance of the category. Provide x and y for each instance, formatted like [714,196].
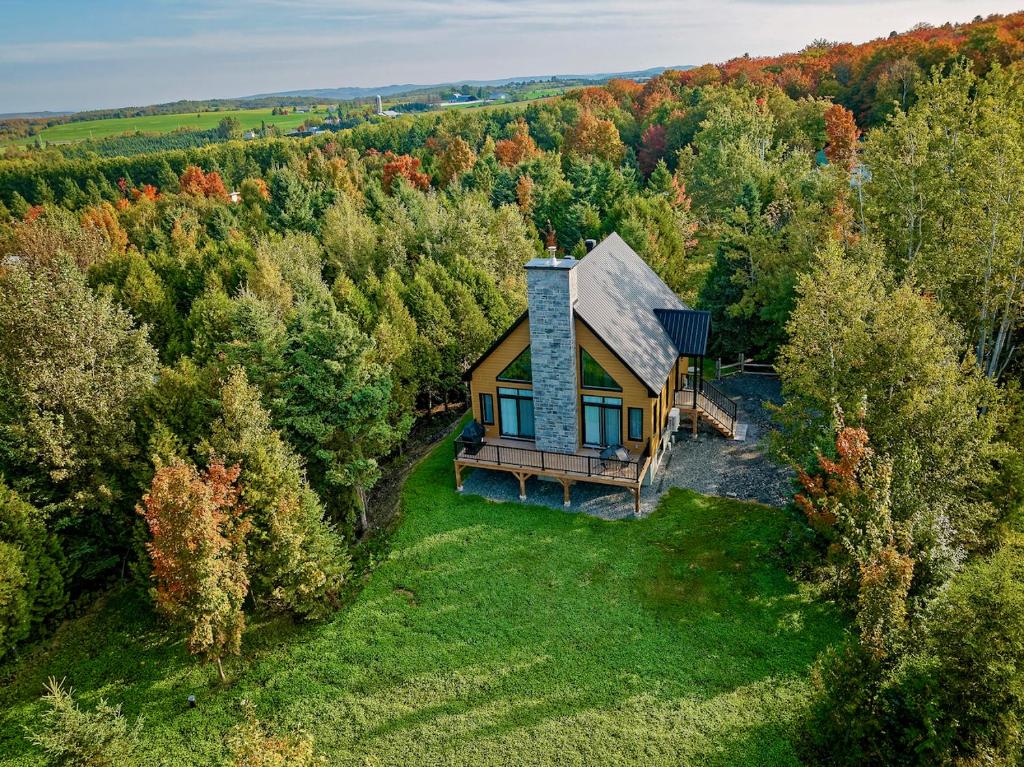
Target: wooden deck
[523,460]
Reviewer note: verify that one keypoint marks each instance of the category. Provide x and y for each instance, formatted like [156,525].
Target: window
[520,369]
[487,409]
[594,376]
[515,408]
[636,424]
[602,421]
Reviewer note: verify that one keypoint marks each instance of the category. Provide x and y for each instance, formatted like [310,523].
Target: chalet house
[592,381]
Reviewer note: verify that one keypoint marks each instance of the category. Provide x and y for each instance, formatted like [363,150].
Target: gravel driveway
[708,463]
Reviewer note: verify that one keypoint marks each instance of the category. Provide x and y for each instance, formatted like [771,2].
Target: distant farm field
[97,129]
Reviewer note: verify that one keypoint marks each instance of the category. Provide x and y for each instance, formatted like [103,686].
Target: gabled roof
[688,329]
[617,295]
[637,316]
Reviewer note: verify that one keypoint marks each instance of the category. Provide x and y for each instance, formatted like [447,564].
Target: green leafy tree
[890,354]
[334,403]
[296,561]
[31,562]
[74,372]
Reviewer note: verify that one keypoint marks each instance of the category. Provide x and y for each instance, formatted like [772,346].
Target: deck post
[693,418]
[522,485]
[565,492]
[742,356]
[636,500]
[458,476]
[718,369]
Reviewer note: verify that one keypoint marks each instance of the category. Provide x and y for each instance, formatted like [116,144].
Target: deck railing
[545,461]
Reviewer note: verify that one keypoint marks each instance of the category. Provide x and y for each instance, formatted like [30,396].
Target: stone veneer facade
[551,293]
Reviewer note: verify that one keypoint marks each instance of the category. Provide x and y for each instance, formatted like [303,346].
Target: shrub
[252,745]
[956,698]
[72,737]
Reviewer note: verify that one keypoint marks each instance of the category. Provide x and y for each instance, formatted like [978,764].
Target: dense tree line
[194,385]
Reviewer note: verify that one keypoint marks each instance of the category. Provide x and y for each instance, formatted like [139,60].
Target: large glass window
[487,409]
[515,408]
[520,369]
[602,421]
[636,424]
[593,375]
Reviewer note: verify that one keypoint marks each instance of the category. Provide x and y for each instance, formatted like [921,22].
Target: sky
[86,54]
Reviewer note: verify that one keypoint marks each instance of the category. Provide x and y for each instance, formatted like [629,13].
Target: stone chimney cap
[552,263]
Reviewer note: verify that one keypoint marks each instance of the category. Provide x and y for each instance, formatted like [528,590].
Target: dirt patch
[383,504]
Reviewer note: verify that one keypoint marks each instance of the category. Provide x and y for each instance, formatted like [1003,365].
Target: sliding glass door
[602,421]
[515,407]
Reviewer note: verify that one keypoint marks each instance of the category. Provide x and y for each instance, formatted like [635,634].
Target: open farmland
[97,129]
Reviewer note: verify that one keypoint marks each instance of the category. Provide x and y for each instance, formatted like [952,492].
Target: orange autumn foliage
[103,218]
[147,192]
[193,181]
[841,133]
[197,552]
[518,148]
[836,479]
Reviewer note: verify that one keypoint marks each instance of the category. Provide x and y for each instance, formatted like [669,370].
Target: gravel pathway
[708,463]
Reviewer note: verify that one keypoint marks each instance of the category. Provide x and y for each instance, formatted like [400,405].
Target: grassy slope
[249,118]
[492,634]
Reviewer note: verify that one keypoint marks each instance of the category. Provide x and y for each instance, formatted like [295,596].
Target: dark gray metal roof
[688,329]
[617,295]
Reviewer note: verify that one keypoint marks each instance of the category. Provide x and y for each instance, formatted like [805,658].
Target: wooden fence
[743,365]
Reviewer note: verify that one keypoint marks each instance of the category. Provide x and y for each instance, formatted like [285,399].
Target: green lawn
[249,118]
[491,634]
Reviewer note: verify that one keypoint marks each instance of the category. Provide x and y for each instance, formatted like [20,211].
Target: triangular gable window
[520,370]
[595,376]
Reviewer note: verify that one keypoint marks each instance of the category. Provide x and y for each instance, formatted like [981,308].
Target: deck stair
[710,404]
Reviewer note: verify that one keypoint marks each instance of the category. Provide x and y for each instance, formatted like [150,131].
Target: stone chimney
[551,293]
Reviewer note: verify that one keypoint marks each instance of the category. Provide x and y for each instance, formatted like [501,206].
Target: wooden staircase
[711,404]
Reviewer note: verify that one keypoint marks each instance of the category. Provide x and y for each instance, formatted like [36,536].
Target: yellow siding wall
[634,392]
[484,377]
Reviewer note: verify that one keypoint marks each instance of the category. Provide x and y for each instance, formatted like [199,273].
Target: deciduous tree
[198,555]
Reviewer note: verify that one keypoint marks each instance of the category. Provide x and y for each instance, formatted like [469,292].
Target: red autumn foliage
[850,74]
[836,478]
[404,166]
[33,213]
[652,148]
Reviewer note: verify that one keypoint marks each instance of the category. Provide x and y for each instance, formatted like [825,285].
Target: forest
[197,396]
